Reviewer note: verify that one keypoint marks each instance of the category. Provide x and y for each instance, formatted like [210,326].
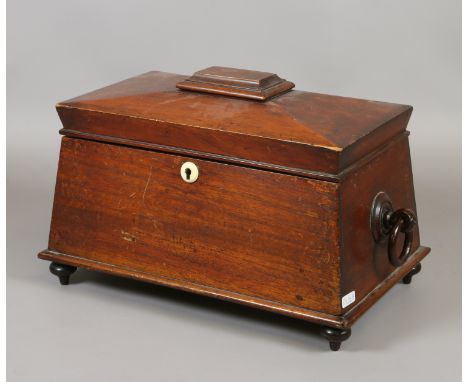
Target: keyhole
[188,172]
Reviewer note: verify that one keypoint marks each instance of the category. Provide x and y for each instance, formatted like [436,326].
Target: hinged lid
[311,134]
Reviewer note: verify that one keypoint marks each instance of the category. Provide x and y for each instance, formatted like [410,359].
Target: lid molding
[308,132]
[240,83]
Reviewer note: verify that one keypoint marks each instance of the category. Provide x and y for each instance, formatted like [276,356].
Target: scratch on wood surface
[128,236]
[147,182]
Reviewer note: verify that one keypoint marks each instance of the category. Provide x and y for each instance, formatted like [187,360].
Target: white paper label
[348,299]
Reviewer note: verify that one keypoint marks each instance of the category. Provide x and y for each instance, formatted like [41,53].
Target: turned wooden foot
[416,269]
[62,271]
[335,336]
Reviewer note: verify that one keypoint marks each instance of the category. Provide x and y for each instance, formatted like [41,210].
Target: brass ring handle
[387,222]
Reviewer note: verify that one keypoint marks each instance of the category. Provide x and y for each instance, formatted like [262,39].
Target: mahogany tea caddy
[232,185]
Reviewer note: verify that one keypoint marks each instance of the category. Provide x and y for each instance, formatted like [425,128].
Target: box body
[249,231]
[295,240]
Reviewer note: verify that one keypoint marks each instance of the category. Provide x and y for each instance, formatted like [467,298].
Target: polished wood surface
[253,232]
[336,321]
[240,83]
[365,262]
[270,240]
[283,215]
[357,310]
[298,130]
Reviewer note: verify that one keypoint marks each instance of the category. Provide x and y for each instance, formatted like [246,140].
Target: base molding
[342,322]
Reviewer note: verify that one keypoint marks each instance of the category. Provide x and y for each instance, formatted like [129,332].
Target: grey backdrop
[103,328]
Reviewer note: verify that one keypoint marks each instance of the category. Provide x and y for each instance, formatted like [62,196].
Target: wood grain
[249,231]
[279,218]
[241,83]
[298,129]
[365,262]
[343,321]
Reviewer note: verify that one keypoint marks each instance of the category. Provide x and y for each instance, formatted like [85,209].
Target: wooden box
[231,185]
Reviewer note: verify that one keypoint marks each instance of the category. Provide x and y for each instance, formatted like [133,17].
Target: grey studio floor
[104,328]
